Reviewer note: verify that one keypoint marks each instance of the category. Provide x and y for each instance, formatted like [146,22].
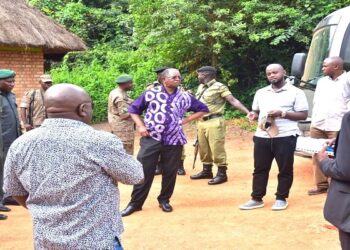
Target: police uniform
[118,104]
[211,130]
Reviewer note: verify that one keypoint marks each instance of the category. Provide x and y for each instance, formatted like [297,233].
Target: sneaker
[251,204]
[279,205]
[181,171]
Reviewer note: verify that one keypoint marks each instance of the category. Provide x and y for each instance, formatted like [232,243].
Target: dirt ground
[207,217]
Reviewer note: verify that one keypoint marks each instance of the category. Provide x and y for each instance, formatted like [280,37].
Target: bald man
[278,106]
[331,102]
[66,174]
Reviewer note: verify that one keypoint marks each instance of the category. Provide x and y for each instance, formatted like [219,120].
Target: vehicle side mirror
[298,65]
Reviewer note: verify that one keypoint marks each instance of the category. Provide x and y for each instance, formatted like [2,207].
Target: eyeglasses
[175,77]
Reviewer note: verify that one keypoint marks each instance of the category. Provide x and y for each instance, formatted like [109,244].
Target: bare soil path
[207,217]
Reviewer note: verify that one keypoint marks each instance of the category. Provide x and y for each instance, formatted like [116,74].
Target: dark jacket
[337,206]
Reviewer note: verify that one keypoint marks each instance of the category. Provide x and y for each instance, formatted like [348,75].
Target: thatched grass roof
[24,26]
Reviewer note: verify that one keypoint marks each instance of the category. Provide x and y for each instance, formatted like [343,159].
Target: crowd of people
[80,167]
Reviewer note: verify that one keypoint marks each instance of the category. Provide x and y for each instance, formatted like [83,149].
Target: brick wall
[28,64]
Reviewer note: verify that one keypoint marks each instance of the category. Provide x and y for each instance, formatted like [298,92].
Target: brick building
[27,38]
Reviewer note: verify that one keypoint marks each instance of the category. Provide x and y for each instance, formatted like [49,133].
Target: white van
[331,37]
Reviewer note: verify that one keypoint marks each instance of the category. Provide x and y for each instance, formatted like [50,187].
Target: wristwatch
[283,114]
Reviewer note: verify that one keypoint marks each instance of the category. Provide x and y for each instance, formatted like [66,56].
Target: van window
[319,50]
[345,49]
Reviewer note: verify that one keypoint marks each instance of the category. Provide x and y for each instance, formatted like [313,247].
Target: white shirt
[288,99]
[330,102]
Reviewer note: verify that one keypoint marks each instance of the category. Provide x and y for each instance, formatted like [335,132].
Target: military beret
[207,69]
[123,79]
[161,69]
[6,73]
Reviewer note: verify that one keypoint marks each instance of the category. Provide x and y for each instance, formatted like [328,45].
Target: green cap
[123,79]
[207,69]
[6,73]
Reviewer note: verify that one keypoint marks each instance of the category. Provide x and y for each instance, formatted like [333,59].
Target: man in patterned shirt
[161,135]
[66,173]
[32,108]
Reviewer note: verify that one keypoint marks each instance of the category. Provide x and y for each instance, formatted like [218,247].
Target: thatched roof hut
[23,26]
[30,41]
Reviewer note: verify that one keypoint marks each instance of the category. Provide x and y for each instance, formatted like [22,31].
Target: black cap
[207,69]
[161,69]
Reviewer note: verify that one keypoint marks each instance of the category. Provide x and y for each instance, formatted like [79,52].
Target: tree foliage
[136,36]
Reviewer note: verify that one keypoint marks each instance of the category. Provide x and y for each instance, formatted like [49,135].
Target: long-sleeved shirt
[164,113]
[331,102]
[70,172]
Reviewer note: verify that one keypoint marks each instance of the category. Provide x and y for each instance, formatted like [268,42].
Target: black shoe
[166,207]
[206,173]
[220,177]
[129,210]
[158,171]
[3,217]
[217,180]
[4,208]
[202,175]
[181,171]
[10,201]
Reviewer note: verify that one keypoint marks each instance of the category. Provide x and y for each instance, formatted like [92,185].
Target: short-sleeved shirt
[331,101]
[10,125]
[288,98]
[33,101]
[118,104]
[164,113]
[70,172]
[213,95]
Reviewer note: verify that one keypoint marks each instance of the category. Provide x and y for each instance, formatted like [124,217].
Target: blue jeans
[117,245]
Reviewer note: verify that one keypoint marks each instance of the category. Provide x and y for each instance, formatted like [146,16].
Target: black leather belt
[206,118]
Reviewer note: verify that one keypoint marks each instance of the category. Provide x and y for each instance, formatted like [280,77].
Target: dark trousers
[344,238]
[169,157]
[265,150]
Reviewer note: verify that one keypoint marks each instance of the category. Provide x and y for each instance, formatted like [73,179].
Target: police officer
[211,130]
[9,128]
[118,117]
[158,71]
[32,108]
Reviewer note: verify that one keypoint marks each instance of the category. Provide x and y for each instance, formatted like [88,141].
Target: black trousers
[169,157]
[265,150]
[344,238]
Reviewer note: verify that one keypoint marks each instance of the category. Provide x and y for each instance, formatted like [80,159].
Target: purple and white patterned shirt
[164,113]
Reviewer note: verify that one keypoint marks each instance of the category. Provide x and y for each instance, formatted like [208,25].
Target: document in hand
[311,145]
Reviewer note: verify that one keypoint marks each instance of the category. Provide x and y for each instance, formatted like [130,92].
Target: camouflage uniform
[33,101]
[118,104]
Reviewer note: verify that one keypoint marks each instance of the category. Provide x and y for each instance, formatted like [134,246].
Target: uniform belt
[206,118]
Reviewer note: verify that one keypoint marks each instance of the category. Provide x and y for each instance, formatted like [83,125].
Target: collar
[62,122]
[285,87]
[208,84]
[336,79]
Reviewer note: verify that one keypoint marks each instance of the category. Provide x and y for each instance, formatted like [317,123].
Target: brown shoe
[317,190]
